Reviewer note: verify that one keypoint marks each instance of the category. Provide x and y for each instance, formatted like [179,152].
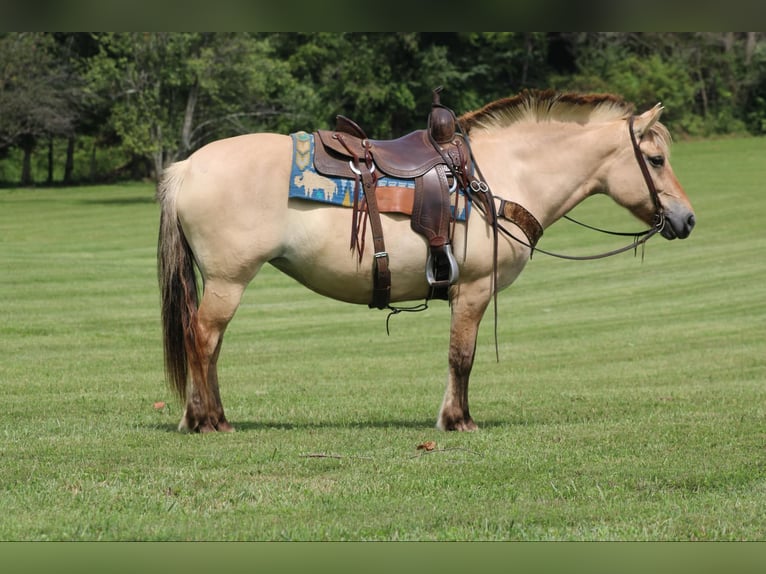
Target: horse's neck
[548,168]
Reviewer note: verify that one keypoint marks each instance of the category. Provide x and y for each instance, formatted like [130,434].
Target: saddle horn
[441,121]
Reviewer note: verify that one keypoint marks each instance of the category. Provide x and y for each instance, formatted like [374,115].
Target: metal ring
[454,185]
[477,185]
[356,171]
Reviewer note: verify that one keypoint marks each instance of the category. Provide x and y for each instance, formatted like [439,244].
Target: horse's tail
[178,284]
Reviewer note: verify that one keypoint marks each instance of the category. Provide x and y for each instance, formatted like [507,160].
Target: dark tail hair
[178,286]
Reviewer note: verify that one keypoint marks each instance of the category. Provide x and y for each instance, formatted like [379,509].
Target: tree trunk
[527,58]
[27,145]
[750,44]
[191,104]
[92,176]
[69,163]
[49,180]
[159,167]
[703,87]
[157,153]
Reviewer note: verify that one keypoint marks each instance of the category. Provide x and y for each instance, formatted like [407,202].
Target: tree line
[96,107]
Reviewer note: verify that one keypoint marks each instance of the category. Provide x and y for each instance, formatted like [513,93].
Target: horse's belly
[319,256]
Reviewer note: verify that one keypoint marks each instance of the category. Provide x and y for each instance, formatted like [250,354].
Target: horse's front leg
[468,304]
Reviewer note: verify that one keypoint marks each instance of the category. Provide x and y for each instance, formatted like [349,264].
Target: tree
[37,94]
[711,82]
[384,80]
[153,98]
[170,93]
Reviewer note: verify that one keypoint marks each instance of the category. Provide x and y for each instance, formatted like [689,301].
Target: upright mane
[541,106]
[549,105]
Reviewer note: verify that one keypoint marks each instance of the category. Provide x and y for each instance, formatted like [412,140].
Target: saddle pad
[306,183]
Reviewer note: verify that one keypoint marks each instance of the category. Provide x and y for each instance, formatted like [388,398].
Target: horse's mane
[538,106]
[548,105]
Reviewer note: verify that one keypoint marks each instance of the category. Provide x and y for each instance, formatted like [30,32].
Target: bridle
[640,237]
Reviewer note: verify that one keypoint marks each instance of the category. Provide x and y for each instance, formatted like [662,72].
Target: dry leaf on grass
[429,445]
[159,405]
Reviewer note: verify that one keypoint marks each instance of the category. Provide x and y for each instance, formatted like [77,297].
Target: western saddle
[433,157]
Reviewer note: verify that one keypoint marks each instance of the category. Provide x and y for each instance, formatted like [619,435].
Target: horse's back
[258,159]
[240,171]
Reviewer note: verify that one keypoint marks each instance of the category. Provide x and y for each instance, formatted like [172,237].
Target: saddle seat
[408,157]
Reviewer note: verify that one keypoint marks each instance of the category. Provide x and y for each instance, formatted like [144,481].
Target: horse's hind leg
[204,409]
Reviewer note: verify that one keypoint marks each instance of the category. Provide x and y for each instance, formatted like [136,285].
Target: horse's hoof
[466,426]
[220,426]
[193,426]
[460,425]
[224,426]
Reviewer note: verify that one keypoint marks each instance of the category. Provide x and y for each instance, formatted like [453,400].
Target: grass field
[629,402]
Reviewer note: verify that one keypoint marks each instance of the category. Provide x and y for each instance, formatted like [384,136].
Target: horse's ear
[645,121]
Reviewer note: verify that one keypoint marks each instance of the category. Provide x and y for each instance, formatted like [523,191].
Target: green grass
[628,404]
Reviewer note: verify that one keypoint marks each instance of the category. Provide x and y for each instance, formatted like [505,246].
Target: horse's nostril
[690,221]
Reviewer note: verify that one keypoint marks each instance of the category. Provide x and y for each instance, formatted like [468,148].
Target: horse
[225,212]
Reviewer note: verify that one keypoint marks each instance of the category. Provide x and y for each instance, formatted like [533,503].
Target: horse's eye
[657,160]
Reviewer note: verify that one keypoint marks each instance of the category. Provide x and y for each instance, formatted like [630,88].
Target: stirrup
[454,272]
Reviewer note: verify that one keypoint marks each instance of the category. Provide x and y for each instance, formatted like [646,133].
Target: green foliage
[92,163]
[369,77]
[628,403]
[705,80]
[174,92]
[34,89]
[641,80]
[151,98]
[755,80]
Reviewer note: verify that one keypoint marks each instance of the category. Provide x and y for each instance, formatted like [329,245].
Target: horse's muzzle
[678,226]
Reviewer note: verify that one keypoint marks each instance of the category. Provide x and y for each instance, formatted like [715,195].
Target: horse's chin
[668,232]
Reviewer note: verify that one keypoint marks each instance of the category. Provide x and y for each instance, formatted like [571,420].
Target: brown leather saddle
[435,158]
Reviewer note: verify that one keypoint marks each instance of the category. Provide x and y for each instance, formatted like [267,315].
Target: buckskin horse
[519,163]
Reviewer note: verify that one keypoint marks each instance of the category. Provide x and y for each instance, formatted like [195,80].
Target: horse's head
[633,186]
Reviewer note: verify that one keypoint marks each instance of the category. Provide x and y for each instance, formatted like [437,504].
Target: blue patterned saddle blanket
[306,183]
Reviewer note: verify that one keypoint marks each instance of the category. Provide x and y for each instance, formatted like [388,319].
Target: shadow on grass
[252,426]
[118,200]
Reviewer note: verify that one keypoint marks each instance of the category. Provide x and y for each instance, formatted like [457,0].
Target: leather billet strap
[381,274]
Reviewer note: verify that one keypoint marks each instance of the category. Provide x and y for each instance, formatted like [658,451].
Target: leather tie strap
[520,216]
